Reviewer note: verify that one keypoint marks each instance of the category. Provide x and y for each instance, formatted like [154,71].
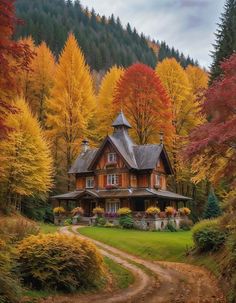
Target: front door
[139,205]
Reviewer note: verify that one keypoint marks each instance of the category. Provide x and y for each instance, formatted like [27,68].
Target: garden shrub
[100,221]
[59,262]
[126,221]
[17,228]
[171,227]
[98,211]
[208,235]
[185,224]
[10,290]
[123,211]
[68,222]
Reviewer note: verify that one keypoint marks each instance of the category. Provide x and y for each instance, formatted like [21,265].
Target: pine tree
[212,208]
[71,106]
[225,43]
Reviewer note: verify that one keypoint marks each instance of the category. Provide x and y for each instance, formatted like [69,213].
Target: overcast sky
[185,24]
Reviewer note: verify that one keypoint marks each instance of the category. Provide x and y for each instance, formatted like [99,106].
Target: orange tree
[143,98]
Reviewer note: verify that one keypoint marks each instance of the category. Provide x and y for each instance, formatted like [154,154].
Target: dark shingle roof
[121,121]
[147,155]
[83,161]
[122,193]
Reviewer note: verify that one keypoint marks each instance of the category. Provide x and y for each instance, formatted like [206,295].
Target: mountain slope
[104,41]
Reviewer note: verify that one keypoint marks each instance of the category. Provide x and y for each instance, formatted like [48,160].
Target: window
[112,179]
[158,180]
[90,182]
[111,158]
[112,206]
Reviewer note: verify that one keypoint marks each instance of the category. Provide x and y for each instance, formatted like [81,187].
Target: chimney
[161,133]
[85,145]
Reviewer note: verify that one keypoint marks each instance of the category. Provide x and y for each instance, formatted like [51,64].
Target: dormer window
[111,158]
[89,182]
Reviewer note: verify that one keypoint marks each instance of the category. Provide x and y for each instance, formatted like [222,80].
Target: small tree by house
[212,208]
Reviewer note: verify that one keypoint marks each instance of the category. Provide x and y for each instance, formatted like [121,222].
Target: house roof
[121,121]
[122,193]
[138,157]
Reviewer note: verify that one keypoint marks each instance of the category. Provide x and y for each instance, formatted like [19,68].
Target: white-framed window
[89,182]
[112,206]
[158,180]
[112,179]
[111,158]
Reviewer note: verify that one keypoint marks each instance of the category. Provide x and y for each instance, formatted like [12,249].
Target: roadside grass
[121,276]
[48,228]
[162,246]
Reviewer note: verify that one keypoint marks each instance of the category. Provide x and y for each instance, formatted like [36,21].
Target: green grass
[121,276]
[148,245]
[48,228]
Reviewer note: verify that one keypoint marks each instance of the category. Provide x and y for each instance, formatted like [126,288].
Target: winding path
[156,282]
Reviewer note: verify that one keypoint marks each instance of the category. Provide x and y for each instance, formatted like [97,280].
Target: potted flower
[98,211]
[153,211]
[124,211]
[77,212]
[170,211]
[184,211]
[59,214]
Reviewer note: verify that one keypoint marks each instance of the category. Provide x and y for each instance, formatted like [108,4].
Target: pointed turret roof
[121,121]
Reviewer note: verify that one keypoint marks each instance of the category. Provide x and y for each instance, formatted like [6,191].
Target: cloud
[188,25]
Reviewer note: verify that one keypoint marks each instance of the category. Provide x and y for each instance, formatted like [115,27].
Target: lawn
[149,245]
[47,228]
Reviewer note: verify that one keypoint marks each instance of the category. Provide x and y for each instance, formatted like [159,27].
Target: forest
[51,100]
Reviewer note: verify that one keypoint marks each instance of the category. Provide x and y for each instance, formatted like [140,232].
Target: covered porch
[138,200]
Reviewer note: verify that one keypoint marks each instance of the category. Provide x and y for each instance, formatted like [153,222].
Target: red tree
[142,97]
[13,56]
[216,139]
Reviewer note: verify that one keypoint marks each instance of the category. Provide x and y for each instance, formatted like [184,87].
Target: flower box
[111,186]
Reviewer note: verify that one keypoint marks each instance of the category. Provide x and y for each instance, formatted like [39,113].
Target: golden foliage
[98,210]
[59,262]
[169,210]
[27,170]
[105,108]
[124,211]
[77,211]
[152,210]
[184,211]
[58,210]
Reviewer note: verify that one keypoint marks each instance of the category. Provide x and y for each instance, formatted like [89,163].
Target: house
[121,174]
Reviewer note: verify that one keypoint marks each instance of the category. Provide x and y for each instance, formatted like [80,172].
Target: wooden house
[121,174]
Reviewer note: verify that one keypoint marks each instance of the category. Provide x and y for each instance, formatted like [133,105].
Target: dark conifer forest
[104,41]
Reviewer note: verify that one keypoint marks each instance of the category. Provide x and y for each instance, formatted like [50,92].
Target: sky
[188,25]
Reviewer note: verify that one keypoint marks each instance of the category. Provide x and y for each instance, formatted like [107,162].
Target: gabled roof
[121,121]
[83,161]
[138,157]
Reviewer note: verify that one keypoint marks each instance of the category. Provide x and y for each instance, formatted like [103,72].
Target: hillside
[104,41]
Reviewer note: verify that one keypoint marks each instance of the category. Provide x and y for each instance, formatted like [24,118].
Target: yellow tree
[71,106]
[198,79]
[27,169]
[42,80]
[105,106]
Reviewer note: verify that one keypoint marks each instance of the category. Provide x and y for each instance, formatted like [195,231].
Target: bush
[184,211]
[100,221]
[68,222]
[108,224]
[208,235]
[171,227]
[124,211]
[126,221]
[185,224]
[9,285]
[169,210]
[17,228]
[59,262]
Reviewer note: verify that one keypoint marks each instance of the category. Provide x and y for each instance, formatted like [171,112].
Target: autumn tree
[212,146]
[42,80]
[105,107]
[71,106]
[144,100]
[198,80]
[14,56]
[27,169]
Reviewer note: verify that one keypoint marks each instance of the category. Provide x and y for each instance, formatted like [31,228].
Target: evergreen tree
[225,43]
[212,208]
